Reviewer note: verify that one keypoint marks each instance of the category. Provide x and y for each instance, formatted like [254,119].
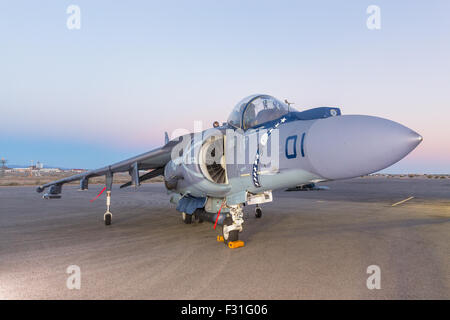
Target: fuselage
[295,152]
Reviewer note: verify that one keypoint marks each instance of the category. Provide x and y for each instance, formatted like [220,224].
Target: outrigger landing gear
[232,225]
[108,215]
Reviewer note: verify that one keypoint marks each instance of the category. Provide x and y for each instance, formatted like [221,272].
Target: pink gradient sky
[135,71]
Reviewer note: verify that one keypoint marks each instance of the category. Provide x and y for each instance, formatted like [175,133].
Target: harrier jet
[265,145]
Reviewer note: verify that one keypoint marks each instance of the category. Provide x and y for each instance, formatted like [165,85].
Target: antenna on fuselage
[288,104]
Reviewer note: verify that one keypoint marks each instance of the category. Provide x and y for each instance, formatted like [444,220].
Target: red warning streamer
[92,200]
[218,215]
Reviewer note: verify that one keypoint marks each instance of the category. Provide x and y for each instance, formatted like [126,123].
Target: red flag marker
[92,200]
[218,214]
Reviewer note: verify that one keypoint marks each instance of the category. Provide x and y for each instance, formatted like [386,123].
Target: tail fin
[166,138]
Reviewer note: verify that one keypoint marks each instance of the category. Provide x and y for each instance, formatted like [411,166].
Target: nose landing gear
[258,212]
[232,225]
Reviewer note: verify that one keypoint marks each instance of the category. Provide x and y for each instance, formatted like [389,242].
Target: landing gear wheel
[229,236]
[258,212]
[108,219]
[187,218]
[197,213]
[232,236]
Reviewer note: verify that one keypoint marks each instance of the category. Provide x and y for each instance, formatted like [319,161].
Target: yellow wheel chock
[235,244]
[231,244]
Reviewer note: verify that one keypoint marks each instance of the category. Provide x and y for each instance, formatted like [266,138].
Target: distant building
[78,170]
[50,170]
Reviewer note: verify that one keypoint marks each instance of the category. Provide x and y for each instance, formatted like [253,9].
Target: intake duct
[213,160]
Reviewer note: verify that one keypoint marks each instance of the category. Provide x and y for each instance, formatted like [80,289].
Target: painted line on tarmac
[403,201]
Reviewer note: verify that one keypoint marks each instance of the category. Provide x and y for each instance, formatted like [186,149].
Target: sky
[88,97]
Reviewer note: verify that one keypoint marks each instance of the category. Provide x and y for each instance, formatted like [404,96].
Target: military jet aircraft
[265,145]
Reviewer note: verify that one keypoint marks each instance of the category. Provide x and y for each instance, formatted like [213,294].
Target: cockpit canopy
[255,110]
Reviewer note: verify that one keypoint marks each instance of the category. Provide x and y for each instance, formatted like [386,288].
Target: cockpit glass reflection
[256,110]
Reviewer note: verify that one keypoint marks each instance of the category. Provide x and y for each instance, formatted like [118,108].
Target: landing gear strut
[107,217]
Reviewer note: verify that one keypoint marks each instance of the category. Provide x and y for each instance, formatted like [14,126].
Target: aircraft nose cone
[353,145]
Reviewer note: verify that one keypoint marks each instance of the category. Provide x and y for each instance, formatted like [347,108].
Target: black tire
[108,218]
[197,215]
[187,218]
[232,235]
[258,212]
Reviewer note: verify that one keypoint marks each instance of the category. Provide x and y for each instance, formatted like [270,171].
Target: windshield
[256,110]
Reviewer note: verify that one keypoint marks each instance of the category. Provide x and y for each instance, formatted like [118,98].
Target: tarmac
[307,245]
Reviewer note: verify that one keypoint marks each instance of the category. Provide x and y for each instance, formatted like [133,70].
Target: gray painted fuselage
[333,148]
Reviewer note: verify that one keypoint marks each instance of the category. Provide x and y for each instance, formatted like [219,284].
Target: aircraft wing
[155,159]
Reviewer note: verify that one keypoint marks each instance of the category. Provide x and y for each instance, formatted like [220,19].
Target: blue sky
[89,97]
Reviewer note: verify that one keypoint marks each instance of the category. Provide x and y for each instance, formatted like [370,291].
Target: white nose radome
[353,145]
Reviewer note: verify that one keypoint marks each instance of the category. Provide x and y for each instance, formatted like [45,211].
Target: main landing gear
[187,218]
[190,218]
[231,223]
